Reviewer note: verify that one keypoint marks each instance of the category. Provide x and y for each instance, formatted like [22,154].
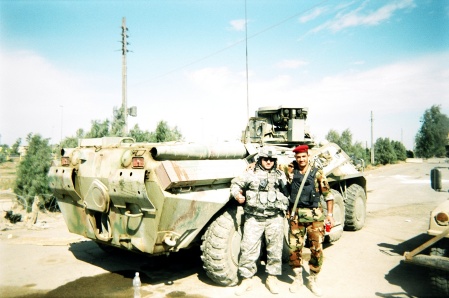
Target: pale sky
[61,65]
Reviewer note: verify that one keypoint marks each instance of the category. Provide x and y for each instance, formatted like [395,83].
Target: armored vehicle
[159,198]
[434,253]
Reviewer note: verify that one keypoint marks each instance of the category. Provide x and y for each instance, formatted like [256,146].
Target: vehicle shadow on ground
[153,269]
[414,280]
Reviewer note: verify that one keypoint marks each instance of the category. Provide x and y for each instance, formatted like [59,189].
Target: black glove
[283,188]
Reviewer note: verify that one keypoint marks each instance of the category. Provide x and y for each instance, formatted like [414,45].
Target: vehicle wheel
[221,247]
[439,279]
[355,205]
[339,217]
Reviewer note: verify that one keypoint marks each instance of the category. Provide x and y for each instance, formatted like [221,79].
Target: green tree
[164,133]
[333,136]
[359,152]
[399,150]
[118,123]
[4,152]
[15,147]
[355,151]
[99,129]
[69,142]
[346,141]
[139,135]
[72,142]
[384,152]
[431,138]
[32,170]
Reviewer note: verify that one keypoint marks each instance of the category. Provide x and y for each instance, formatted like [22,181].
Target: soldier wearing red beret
[309,217]
[301,149]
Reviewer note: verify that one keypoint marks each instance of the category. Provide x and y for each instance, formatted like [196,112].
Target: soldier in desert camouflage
[308,217]
[263,191]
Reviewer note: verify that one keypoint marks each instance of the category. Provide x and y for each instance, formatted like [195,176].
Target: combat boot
[272,284]
[313,286]
[245,285]
[297,280]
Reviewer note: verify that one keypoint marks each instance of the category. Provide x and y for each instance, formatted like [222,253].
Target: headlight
[442,218]
[65,161]
[138,162]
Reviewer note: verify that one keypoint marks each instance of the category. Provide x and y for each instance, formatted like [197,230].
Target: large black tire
[435,179]
[439,279]
[355,205]
[339,217]
[221,247]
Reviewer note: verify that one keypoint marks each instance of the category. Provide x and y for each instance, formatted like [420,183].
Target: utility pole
[124,99]
[372,139]
[132,111]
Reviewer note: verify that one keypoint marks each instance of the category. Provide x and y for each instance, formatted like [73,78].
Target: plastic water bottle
[136,285]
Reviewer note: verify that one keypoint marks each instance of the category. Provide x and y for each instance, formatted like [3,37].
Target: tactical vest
[263,197]
[309,197]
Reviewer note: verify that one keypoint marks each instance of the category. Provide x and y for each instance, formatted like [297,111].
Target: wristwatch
[329,214]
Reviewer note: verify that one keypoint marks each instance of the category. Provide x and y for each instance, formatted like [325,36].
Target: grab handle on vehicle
[129,214]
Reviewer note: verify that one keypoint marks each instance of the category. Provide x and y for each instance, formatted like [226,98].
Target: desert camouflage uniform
[309,218]
[265,207]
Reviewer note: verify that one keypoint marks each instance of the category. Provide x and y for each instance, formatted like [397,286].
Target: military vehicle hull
[154,207]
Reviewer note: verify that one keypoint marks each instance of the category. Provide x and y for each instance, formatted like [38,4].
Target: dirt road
[48,261]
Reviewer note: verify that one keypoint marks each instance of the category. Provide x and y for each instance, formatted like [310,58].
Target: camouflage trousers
[315,235]
[253,231]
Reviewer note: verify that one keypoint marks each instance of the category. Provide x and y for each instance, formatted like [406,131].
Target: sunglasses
[268,159]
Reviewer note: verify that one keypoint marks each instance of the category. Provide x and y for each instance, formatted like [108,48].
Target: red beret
[301,148]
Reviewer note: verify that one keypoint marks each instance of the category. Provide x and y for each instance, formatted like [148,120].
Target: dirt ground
[46,260]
